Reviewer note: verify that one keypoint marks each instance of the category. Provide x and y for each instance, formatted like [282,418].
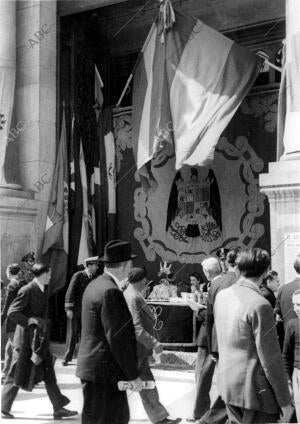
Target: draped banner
[196,210]
[186,90]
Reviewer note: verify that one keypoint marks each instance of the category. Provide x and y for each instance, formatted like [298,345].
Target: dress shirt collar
[248,283]
[88,273]
[121,284]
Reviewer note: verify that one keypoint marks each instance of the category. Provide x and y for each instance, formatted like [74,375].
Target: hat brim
[106,259]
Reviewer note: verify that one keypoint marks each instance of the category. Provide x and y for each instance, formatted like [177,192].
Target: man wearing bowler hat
[107,352]
[73,302]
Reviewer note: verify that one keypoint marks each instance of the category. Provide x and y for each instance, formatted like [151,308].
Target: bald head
[211,268]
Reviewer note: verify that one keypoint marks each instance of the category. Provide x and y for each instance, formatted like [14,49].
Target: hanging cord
[131,19]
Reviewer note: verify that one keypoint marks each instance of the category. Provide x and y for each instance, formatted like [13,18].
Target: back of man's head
[253,263]
[297,264]
[231,257]
[211,267]
[39,269]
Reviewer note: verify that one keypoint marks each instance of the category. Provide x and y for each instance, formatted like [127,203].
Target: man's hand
[158,348]
[214,357]
[69,314]
[195,306]
[136,385]
[287,411]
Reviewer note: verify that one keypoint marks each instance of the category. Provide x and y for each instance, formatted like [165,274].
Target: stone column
[36,100]
[22,221]
[282,183]
[7,77]
[291,139]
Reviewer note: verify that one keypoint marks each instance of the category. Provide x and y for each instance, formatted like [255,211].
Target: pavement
[176,390]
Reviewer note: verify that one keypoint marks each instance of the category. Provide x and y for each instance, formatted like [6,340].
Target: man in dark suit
[73,303]
[13,273]
[30,308]
[144,321]
[107,351]
[284,305]
[205,364]
[251,376]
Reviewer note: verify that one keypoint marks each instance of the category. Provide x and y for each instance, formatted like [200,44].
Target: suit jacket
[11,293]
[201,338]
[77,286]
[107,350]
[143,321]
[224,281]
[250,368]
[284,304]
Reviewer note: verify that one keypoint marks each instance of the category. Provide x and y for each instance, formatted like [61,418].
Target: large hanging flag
[188,83]
[109,144]
[281,107]
[86,246]
[56,239]
[98,85]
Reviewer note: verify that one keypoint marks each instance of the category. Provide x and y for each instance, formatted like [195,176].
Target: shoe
[64,413]
[7,415]
[64,363]
[169,421]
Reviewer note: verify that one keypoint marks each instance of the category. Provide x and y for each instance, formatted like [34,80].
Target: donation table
[175,323]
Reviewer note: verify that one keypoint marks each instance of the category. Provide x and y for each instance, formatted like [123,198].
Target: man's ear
[265,274]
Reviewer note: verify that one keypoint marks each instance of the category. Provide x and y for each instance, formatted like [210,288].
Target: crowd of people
[249,334]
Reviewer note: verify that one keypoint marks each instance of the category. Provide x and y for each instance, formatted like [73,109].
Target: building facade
[52,46]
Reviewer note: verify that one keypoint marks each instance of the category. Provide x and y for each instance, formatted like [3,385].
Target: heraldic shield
[194,207]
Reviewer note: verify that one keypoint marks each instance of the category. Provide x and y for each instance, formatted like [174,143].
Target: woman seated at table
[196,284]
[164,290]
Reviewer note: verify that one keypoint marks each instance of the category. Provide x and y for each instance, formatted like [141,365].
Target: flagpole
[136,64]
[269,63]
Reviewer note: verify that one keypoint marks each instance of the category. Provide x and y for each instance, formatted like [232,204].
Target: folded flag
[187,86]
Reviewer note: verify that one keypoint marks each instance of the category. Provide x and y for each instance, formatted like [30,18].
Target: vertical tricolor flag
[109,144]
[98,85]
[187,86]
[56,239]
[86,246]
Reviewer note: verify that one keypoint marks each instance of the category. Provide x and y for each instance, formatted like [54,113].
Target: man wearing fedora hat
[144,322]
[107,352]
[73,302]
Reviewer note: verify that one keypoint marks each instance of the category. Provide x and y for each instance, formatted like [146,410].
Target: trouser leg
[103,404]
[57,399]
[237,415]
[150,398]
[204,374]
[71,339]
[9,394]
[217,413]
[296,390]
[8,354]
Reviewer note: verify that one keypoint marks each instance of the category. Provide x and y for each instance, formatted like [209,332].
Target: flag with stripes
[86,246]
[56,239]
[109,144]
[187,86]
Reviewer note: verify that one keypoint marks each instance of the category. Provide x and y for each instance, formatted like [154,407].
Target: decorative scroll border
[251,165]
